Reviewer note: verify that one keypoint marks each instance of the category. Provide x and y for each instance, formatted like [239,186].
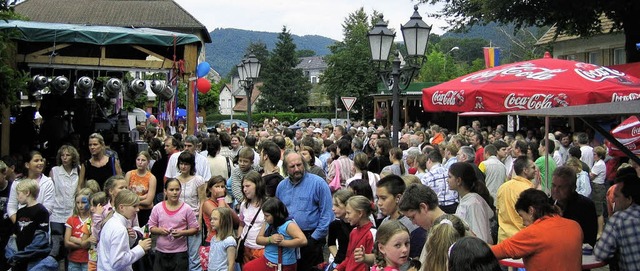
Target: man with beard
[308,200]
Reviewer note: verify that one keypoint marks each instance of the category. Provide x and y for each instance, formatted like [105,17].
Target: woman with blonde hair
[100,166]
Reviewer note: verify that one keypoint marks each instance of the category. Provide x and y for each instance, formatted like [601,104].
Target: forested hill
[228,46]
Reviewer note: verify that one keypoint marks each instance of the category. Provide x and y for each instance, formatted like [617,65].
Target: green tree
[285,88]
[350,71]
[12,80]
[569,16]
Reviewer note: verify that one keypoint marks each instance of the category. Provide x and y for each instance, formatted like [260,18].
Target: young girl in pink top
[173,221]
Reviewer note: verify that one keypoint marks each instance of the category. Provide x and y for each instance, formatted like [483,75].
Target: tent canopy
[92,34]
[591,110]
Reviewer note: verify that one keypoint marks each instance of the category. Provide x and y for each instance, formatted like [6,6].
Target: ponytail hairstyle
[226,222]
[447,230]
[396,153]
[385,232]
[125,197]
[362,204]
[110,184]
[467,174]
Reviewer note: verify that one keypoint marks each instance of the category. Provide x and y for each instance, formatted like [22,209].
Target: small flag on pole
[491,57]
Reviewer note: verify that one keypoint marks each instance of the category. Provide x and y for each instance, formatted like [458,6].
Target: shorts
[598,193]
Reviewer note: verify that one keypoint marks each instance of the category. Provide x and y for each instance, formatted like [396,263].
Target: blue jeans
[77,266]
[193,243]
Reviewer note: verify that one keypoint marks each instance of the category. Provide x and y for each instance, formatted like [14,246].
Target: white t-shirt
[600,170]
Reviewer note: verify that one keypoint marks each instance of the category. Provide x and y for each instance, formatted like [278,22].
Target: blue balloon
[203,69]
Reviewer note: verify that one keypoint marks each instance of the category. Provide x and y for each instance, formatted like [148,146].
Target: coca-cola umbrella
[628,134]
[534,84]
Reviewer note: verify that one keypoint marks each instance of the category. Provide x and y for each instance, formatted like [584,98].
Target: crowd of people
[271,198]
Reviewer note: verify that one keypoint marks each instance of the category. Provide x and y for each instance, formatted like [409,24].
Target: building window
[314,80]
[594,58]
[306,73]
[619,56]
[569,57]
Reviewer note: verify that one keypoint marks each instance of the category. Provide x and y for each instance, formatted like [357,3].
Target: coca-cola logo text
[635,131]
[526,70]
[615,97]
[451,97]
[535,101]
[598,74]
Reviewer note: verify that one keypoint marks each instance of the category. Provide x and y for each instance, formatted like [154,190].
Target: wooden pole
[190,63]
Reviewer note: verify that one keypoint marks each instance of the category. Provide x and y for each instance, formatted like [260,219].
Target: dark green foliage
[226,49]
[285,88]
[579,17]
[350,71]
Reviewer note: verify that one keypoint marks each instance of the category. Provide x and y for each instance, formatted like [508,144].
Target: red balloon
[203,85]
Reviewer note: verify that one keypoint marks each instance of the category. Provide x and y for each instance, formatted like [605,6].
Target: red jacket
[359,236]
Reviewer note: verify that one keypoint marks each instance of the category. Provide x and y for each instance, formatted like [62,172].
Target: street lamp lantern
[380,41]
[251,67]
[249,71]
[415,34]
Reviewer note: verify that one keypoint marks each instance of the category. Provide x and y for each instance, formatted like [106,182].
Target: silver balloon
[84,86]
[113,88]
[39,82]
[60,84]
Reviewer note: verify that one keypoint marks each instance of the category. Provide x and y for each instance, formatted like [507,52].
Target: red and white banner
[535,84]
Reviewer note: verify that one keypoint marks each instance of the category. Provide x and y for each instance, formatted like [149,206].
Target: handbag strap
[252,221]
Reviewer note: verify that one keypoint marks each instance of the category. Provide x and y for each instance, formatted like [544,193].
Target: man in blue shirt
[308,200]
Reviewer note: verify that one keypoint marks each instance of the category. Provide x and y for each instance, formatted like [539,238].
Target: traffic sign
[348,102]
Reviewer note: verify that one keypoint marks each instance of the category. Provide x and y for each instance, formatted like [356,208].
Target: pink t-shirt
[180,219]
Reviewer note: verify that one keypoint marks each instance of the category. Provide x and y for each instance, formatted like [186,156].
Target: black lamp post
[249,70]
[415,34]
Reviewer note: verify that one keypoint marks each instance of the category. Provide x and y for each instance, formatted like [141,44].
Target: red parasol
[535,84]
[628,133]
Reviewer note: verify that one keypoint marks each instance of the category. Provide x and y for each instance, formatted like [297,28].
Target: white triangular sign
[348,102]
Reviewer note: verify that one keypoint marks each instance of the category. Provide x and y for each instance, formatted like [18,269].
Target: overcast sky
[302,17]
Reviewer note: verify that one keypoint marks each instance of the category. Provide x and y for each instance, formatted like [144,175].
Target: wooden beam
[190,62]
[48,50]
[149,52]
[98,62]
